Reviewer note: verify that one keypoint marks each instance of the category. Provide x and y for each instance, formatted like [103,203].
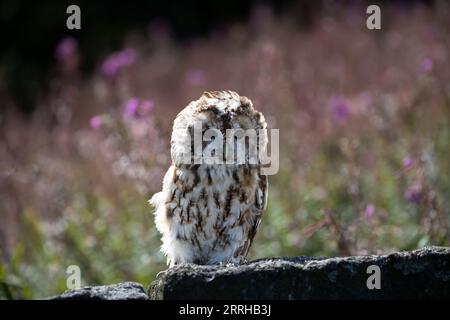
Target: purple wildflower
[109,67]
[196,77]
[126,57]
[407,162]
[96,122]
[427,65]
[369,211]
[414,193]
[134,108]
[65,48]
[131,108]
[146,107]
[340,109]
[115,62]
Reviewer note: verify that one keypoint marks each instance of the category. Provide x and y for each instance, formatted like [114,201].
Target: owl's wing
[259,207]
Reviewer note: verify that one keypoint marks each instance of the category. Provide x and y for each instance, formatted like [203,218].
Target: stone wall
[423,273]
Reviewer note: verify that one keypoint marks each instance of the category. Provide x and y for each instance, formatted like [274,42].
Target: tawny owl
[209,213]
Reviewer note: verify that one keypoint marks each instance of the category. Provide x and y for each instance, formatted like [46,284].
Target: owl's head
[219,111]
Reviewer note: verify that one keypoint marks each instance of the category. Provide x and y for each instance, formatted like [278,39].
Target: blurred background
[85,122]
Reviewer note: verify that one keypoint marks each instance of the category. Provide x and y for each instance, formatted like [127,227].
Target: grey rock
[423,273]
[120,291]
[419,274]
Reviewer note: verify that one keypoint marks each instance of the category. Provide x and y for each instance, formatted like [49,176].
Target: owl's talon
[160,273]
[236,262]
[240,260]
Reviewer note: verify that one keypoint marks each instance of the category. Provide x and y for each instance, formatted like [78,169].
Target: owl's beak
[226,120]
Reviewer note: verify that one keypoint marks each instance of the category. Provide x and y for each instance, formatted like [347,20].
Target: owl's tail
[161,221]
[162,225]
